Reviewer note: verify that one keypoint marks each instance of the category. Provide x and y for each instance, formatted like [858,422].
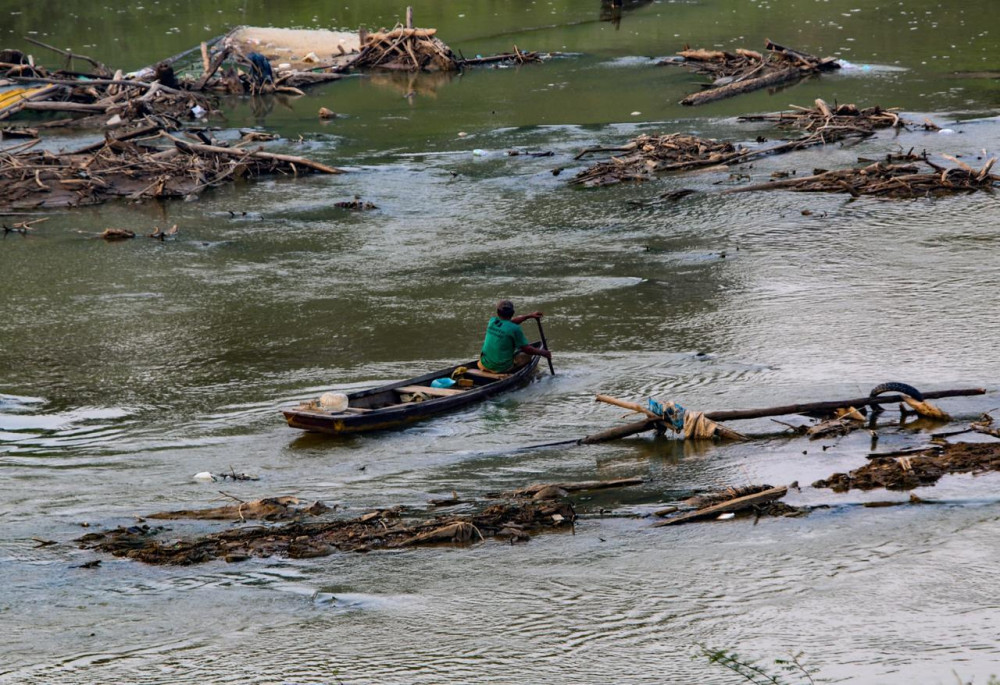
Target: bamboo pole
[633,406]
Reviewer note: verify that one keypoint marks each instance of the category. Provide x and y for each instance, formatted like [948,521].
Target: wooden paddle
[541,334]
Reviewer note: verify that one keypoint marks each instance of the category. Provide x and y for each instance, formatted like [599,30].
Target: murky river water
[127,368]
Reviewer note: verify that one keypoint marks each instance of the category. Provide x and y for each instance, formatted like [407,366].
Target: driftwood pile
[832,123]
[405,49]
[914,178]
[103,102]
[123,168]
[921,468]
[749,70]
[309,531]
[231,64]
[646,155]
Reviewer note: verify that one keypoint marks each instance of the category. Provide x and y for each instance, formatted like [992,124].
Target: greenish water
[126,368]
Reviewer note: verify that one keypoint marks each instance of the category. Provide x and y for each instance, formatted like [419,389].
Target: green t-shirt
[503,340]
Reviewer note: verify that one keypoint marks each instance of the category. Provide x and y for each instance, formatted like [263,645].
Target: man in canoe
[506,348]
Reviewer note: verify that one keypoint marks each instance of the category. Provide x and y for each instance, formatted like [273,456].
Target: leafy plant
[788,671]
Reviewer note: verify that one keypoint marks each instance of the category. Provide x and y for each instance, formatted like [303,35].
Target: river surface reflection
[126,368]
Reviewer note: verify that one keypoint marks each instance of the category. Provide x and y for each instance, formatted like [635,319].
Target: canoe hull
[402,415]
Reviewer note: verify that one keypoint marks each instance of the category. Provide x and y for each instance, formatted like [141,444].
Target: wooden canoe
[394,406]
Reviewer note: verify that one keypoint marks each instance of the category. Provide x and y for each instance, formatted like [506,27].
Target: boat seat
[479,373]
[429,391]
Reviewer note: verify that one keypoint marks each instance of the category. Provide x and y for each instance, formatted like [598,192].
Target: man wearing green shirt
[506,348]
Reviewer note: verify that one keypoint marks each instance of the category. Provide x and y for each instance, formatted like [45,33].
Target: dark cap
[505,308]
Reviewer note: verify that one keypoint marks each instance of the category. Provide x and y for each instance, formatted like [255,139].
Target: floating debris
[357,204]
[381,529]
[919,469]
[112,234]
[23,227]
[648,155]
[888,179]
[747,70]
[518,515]
[119,167]
[405,48]
[833,123]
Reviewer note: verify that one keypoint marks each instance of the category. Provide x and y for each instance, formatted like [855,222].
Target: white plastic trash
[334,401]
[204,476]
[198,111]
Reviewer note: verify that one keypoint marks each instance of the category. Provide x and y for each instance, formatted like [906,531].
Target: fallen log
[619,432]
[732,505]
[63,107]
[773,79]
[830,405]
[659,425]
[258,154]
[748,70]
[75,83]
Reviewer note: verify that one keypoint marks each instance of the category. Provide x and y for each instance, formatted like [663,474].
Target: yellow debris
[12,97]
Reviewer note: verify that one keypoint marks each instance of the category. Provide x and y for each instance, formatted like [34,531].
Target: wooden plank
[732,505]
[486,374]
[428,390]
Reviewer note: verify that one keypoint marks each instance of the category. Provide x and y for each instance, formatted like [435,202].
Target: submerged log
[737,504]
[533,490]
